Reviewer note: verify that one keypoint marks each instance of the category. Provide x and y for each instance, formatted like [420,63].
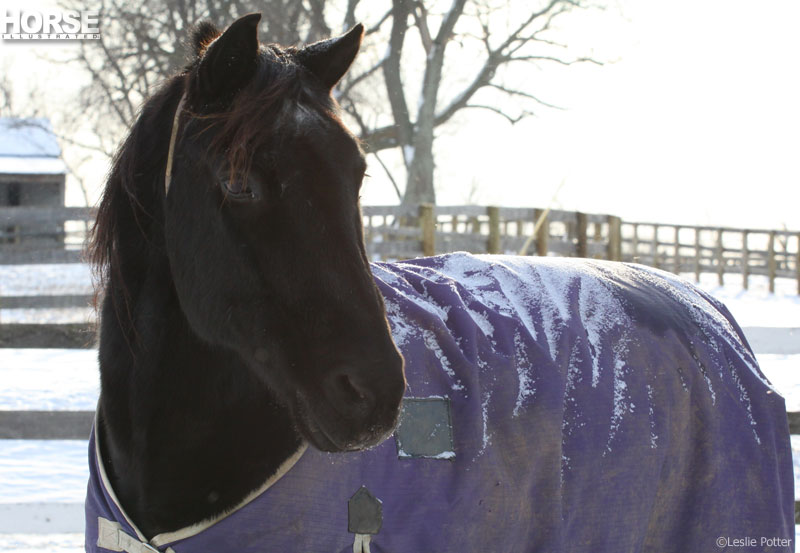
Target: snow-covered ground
[71,542]
[48,478]
[48,379]
[756,306]
[54,279]
[23,463]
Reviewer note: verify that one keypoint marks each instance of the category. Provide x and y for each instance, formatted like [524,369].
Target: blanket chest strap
[111,536]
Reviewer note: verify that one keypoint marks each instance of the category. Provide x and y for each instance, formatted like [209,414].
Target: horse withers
[550,405]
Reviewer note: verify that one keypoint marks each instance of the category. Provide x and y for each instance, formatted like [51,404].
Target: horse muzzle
[352,409]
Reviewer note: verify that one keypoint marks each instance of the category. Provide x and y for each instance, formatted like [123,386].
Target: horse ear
[330,59]
[230,60]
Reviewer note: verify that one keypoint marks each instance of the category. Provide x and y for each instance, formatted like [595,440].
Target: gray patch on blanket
[425,430]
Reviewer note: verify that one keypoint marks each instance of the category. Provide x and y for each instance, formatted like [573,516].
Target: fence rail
[46,302]
[400,232]
[718,250]
[31,235]
[397,232]
[18,215]
[763,340]
[58,336]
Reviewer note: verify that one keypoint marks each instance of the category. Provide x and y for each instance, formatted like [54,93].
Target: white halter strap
[172,139]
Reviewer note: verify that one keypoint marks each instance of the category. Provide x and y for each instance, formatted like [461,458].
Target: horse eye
[237,187]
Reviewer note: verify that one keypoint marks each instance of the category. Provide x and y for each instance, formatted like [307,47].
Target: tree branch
[99,81]
[449,23]
[350,15]
[120,75]
[421,21]
[483,78]
[555,60]
[498,111]
[375,28]
[381,138]
[389,174]
[502,54]
[351,83]
[513,92]
[392,73]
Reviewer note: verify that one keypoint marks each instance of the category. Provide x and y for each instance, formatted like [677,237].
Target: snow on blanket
[595,407]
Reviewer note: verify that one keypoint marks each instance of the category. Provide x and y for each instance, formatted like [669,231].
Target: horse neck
[187,431]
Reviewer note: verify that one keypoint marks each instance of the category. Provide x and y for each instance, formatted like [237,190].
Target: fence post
[493,242]
[745,261]
[581,245]
[635,256]
[720,258]
[427,223]
[541,233]
[474,225]
[771,261]
[571,230]
[614,238]
[697,250]
[676,268]
[656,264]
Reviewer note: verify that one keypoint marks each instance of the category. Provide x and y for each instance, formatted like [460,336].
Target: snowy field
[42,483]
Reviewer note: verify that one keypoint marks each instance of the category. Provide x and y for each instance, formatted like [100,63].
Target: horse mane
[131,205]
[128,206]
[146,143]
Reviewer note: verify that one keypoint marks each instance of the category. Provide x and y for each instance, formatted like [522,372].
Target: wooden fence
[718,250]
[75,425]
[677,248]
[47,246]
[72,425]
[494,230]
[402,232]
[394,232]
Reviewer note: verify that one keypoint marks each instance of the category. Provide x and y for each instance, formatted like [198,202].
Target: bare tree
[502,44]
[143,42]
[431,54]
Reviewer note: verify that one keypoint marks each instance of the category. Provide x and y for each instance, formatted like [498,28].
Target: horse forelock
[277,101]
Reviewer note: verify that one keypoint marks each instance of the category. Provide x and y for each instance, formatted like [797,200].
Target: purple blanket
[594,407]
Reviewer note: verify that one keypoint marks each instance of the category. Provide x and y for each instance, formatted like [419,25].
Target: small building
[32,173]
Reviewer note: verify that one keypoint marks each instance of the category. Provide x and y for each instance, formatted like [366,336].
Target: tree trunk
[419,170]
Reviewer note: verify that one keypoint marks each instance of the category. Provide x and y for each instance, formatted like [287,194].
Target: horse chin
[326,439]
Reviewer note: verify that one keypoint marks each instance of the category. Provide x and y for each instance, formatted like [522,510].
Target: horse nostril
[348,388]
[350,392]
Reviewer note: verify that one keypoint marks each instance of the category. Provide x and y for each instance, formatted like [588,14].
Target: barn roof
[28,146]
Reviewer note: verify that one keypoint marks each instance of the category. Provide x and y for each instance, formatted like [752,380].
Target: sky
[694,119]
[697,122]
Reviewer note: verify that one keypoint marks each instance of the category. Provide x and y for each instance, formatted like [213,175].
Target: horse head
[263,231]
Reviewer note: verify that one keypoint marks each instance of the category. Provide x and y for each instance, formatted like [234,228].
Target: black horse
[240,318]
[565,406]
